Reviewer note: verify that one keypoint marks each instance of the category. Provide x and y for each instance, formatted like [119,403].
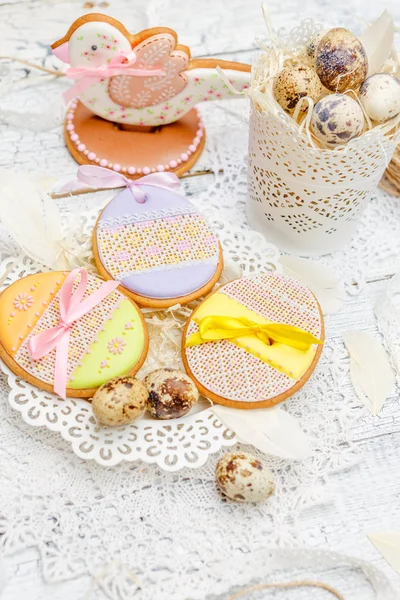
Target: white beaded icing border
[131,170]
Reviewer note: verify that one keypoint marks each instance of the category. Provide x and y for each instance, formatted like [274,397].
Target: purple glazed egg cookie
[162,251]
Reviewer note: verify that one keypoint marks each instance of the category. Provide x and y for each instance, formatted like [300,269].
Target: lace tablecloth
[134,531]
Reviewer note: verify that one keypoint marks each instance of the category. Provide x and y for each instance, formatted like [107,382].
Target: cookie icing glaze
[95,44]
[22,304]
[106,342]
[245,371]
[161,249]
[116,348]
[94,41]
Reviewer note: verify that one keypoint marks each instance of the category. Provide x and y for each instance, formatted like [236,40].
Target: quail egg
[120,401]
[171,394]
[313,43]
[294,83]
[340,60]
[336,119]
[242,477]
[380,97]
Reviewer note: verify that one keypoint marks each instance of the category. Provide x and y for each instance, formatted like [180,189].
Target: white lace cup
[308,200]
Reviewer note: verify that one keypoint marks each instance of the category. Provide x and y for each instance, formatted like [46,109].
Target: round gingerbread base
[133,152]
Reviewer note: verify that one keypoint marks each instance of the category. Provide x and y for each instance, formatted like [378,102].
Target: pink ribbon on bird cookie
[119,65]
[99,177]
[72,308]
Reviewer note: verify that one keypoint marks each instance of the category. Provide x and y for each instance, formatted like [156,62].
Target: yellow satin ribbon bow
[227,328]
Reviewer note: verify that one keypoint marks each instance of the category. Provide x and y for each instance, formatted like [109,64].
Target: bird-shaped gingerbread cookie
[144,88]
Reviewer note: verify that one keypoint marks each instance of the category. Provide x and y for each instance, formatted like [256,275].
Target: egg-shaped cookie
[162,251]
[254,342]
[108,340]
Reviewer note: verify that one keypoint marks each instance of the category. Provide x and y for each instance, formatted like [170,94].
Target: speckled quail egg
[120,401]
[341,61]
[336,119]
[171,393]
[380,97]
[313,43]
[294,83]
[242,477]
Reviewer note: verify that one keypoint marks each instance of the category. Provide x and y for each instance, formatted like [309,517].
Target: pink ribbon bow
[72,308]
[119,65]
[99,177]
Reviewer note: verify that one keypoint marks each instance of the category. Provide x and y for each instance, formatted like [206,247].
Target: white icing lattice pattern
[278,298]
[82,332]
[130,218]
[238,375]
[179,240]
[229,370]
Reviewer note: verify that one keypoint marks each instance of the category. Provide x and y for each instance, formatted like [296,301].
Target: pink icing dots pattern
[130,169]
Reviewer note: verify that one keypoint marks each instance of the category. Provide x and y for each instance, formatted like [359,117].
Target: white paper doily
[172,445]
[100,532]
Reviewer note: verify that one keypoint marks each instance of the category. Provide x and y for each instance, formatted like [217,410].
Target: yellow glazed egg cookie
[254,342]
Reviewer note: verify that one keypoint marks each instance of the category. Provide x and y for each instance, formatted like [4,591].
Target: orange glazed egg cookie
[70,332]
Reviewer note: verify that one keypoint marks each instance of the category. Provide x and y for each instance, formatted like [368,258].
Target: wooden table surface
[367,496]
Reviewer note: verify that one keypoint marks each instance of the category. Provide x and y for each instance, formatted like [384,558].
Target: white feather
[33,220]
[370,371]
[388,544]
[323,281]
[377,40]
[271,430]
[232,270]
[3,576]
